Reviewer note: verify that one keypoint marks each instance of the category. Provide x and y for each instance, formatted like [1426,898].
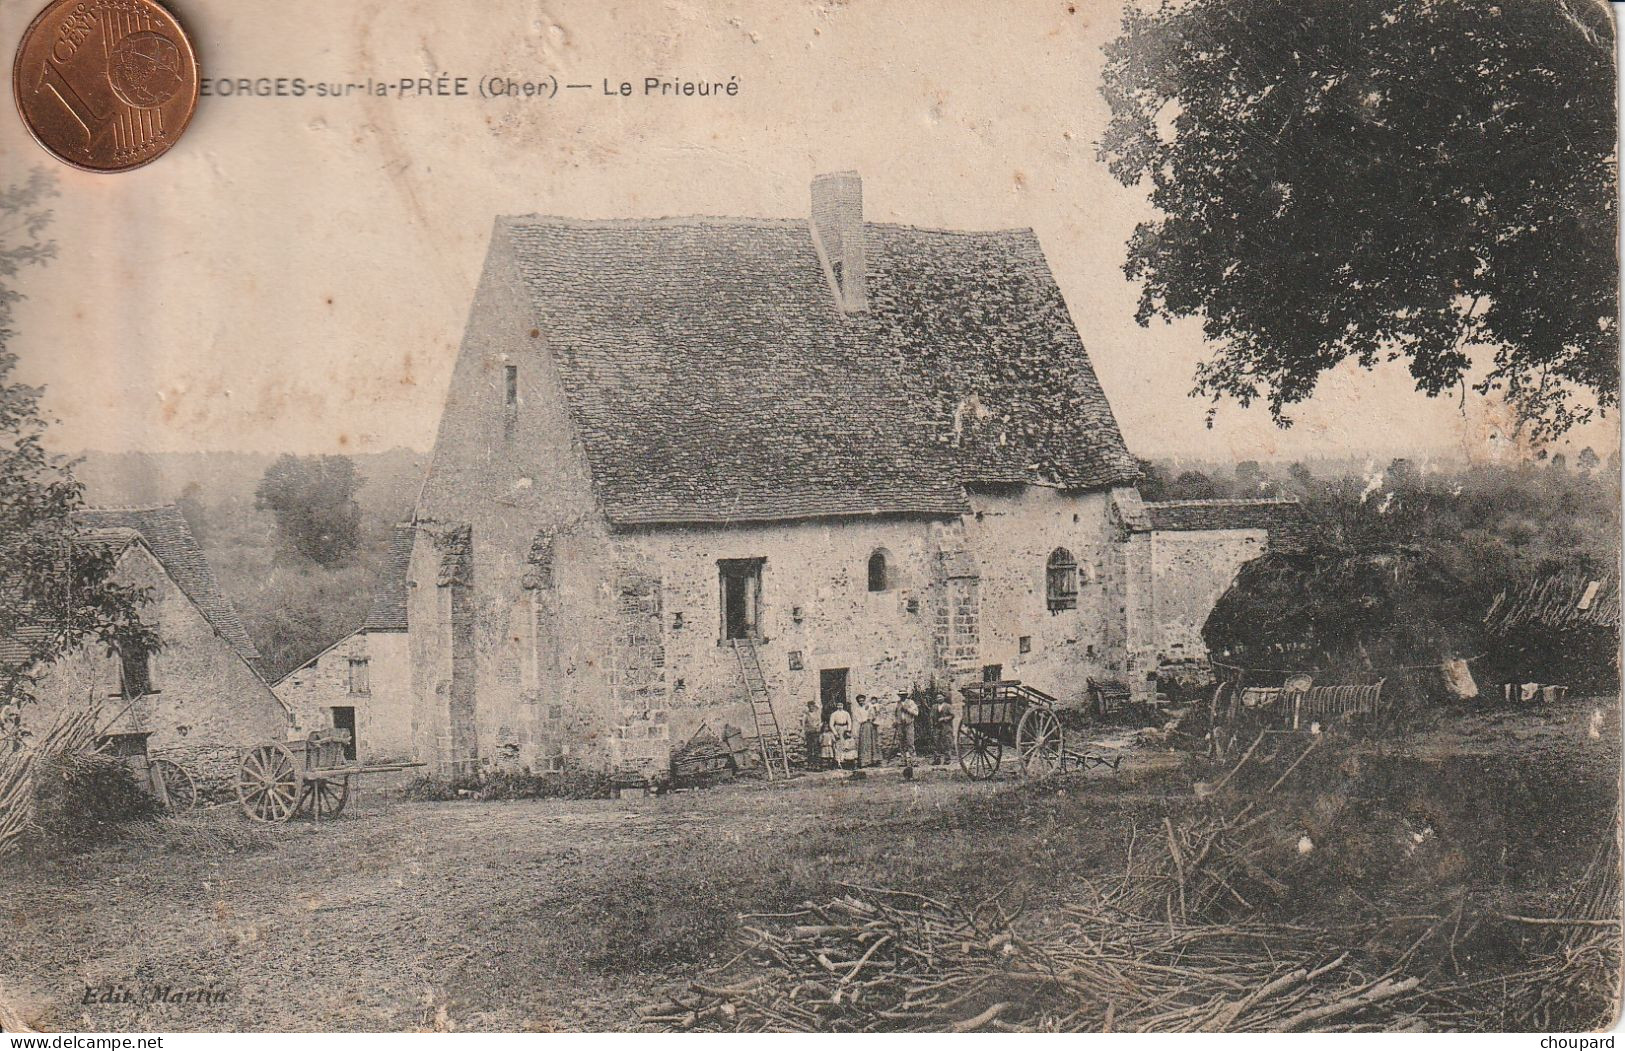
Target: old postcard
[863,516]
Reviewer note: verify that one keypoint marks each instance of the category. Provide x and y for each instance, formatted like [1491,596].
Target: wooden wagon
[1003,714]
[279,780]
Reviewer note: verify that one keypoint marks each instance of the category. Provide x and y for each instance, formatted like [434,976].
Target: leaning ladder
[768,736]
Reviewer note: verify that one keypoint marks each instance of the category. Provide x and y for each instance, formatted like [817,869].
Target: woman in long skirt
[868,734]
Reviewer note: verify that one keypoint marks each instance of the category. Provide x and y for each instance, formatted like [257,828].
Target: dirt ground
[567,915]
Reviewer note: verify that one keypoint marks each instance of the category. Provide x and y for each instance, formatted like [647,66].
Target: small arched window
[1061,580]
[879,572]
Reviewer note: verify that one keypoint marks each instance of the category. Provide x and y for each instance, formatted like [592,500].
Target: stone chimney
[837,226]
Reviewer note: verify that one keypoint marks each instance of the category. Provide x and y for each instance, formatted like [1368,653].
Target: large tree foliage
[58,591]
[313,501]
[1377,179]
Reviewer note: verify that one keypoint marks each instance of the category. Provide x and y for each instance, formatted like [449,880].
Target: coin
[105,85]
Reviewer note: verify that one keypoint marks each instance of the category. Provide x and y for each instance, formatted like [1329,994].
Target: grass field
[568,915]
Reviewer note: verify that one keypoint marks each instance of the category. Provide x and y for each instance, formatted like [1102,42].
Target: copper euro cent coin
[105,85]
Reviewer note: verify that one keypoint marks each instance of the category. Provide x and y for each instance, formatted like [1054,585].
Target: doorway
[832,685]
[992,672]
[344,719]
[741,580]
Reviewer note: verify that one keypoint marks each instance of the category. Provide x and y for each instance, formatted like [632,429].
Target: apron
[846,745]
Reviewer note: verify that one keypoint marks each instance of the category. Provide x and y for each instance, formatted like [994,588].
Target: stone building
[200,693]
[862,456]
[363,682]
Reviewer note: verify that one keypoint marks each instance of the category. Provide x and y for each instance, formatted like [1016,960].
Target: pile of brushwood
[1198,932]
[62,794]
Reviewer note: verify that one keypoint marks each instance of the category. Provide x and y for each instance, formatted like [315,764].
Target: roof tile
[167,535]
[713,378]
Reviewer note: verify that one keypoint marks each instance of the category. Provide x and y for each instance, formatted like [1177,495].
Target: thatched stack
[71,734]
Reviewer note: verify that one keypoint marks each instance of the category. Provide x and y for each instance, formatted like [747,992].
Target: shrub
[573,782]
[83,798]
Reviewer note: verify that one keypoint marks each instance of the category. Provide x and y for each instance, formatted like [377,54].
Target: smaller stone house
[363,682]
[200,694]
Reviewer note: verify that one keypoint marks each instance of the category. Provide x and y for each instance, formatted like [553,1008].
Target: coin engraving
[105,85]
[146,69]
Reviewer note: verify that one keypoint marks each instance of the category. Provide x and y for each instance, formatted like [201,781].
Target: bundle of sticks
[72,733]
[1223,859]
[1575,977]
[1208,865]
[883,960]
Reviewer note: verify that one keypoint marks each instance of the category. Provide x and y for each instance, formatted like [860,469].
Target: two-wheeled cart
[280,780]
[1008,714]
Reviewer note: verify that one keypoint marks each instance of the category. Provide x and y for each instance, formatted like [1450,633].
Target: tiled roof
[1286,520]
[17,646]
[30,629]
[712,376]
[166,534]
[388,612]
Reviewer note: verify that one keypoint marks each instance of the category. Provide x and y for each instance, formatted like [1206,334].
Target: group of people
[850,737]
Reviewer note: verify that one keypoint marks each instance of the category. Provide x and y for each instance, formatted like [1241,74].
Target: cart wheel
[979,754]
[176,791]
[1039,742]
[268,783]
[327,796]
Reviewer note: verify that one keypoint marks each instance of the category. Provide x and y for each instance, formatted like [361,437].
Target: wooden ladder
[768,736]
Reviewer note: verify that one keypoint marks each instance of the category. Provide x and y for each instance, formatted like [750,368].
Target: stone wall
[1011,535]
[208,703]
[516,479]
[1190,571]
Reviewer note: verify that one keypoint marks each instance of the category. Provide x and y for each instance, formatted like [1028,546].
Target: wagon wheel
[1040,742]
[979,754]
[325,797]
[269,783]
[174,785]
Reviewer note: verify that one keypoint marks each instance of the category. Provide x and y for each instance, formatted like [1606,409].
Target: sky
[296,273]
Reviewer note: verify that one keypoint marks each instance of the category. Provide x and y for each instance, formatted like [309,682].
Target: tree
[1375,180]
[313,501]
[1153,484]
[1301,478]
[1192,485]
[58,587]
[1587,461]
[190,505]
